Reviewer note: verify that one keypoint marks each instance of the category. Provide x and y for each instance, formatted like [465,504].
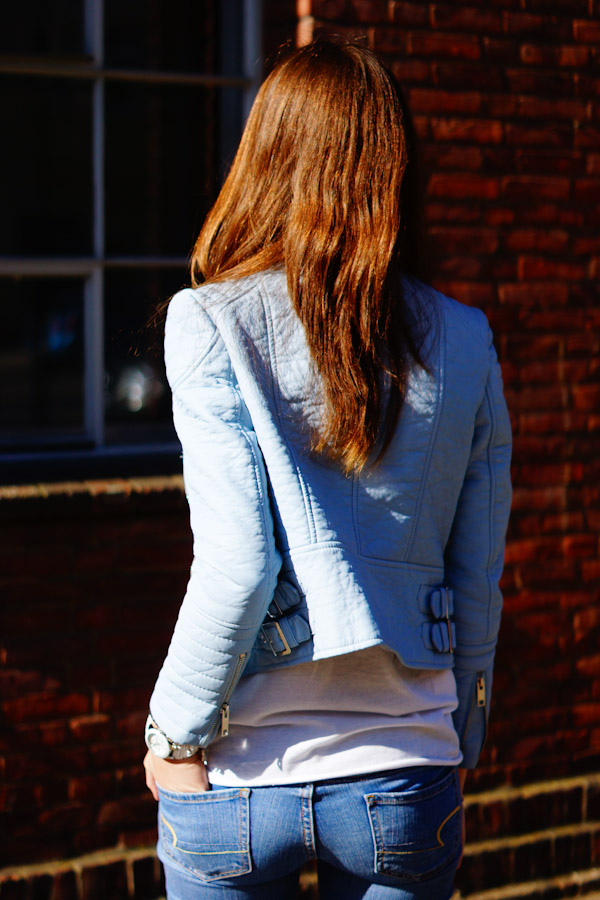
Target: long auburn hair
[316,187]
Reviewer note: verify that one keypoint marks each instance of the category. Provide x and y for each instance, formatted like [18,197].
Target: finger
[150,781]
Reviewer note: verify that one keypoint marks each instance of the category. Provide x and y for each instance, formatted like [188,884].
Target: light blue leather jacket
[294,561]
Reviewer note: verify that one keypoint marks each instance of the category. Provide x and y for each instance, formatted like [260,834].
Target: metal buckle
[287,649]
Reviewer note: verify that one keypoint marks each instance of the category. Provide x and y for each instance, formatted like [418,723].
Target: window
[119,121]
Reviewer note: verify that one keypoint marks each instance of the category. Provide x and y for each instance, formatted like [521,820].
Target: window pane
[161,176]
[46,158]
[138,399]
[41,359]
[161,34]
[42,28]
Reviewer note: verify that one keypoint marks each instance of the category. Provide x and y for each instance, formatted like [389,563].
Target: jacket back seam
[264,295]
[432,437]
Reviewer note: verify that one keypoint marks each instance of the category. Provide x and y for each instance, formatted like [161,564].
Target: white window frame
[92,269]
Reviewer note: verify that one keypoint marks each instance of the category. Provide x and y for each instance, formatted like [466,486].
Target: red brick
[502,105]
[501,50]
[554,241]
[459,267]
[466,18]
[586,397]
[463,186]
[411,70]
[45,705]
[559,135]
[552,422]
[90,727]
[321,9]
[465,75]
[580,546]
[459,240]
[593,164]
[479,131]
[366,11]
[587,137]
[589,666]
[590,571]
[311,28]
[587,31]
[530,81]
[530,187]
[499,216]
[132,724]
[407,14]
[390,40]
[563,522]
[570,217]
[498,268]
[15,682]
[586,246]
[421,124]
[122,700]
[537,26]
[104,881]
[548,473]
[572,7]
[424,100]
[550,397]
[100,615]
[444,156]
[587,190]
[471,293]
[450,212]
[443,45]
[539,268]
[563,57]
[550,162]
[92,788]
[552,108]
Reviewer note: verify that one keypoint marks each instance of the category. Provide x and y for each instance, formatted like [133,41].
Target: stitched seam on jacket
[441,394]
[204,314]
[264,294]
[492,494]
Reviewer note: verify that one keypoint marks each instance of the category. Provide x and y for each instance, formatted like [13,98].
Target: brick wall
[91,577]
[506,98]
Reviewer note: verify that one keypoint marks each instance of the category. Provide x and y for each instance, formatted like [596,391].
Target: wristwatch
[162,746]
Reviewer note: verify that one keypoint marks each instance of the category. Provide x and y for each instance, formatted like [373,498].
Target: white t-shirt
[346,715]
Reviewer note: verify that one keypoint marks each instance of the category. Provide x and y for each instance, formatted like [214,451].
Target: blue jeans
[390,836]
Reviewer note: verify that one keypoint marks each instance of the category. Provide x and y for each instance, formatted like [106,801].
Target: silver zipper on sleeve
[221,722]
[481,698]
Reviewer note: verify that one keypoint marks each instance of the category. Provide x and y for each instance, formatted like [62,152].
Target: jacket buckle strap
[440,635]
[266,633]
[281,636]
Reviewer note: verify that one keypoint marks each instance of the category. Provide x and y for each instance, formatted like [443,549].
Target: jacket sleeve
[235,565]
[474,559]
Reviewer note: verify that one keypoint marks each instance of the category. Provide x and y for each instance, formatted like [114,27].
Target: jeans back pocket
[207,834]
[416,834]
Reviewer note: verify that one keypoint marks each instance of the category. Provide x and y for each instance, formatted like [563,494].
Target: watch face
[158,743]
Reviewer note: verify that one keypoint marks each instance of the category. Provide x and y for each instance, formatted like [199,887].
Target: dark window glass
[41,359]
[46,162]
[161,34]
[42,28]
[160,167]
[138,399]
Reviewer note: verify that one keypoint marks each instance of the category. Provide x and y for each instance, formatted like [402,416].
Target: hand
[462,774]
[188,776]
